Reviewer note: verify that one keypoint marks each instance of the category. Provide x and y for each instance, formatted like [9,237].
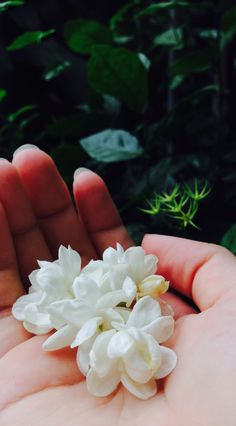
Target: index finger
[201,271]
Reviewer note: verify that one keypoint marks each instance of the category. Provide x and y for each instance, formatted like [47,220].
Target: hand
[39,388]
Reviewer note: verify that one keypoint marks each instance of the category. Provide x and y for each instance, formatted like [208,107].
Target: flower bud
[153,286]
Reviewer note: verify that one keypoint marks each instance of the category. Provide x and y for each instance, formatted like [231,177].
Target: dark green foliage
[28,38]
[229,239]
[120,73]
[81,35]
[143,92]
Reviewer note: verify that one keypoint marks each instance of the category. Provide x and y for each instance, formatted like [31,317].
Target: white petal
[161,329]
[150,264]
[144,312]
[124,312]
[33,279]
[37,321]
[60,339]
[95,270]
[22,302]
[83,358]
[112,299]
[74,312]
[130,289]
[134,256]
[142,391]
[120,344]
[99,359]
[37,329]
[168,363]
[70,261]
[87,331]
[111,256]
[117,275]
[109,316]
[52,282]
[86,289]
[104,386]
[143,359]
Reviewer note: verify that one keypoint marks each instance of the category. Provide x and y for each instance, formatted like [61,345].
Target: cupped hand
[38,388]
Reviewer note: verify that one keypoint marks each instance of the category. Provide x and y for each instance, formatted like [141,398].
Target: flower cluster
[110,310]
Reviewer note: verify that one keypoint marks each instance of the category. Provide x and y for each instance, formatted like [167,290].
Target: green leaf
[56,71]
[120,73]
[229,239]
[176,81]
[228,26]
[28,38]
[81,35]
[4,5]
[26,108]
[112,145]
[198,61]
[170,38]
[153,8]
[122,24]
[209,34]
[3,94]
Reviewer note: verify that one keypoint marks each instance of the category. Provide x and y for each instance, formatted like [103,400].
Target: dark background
[54,94]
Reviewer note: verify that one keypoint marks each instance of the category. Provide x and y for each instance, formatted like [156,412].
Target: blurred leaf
[56,71]
[13,116]
[29,38]
[122,24]
[209,34]
[81,35]
[172,4]
[228,26]
[176,81]
[112,145]
[120,73]
[3,94]
[153,8]
[171,38]
[4,5]
[229,239]
[198,61]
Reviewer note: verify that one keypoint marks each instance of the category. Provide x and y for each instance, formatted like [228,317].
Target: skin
[39,388]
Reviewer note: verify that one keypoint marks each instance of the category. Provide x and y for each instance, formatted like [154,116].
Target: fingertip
[27,146]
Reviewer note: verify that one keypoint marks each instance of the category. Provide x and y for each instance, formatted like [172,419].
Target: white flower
[90,313]
[133,355]
[51,282]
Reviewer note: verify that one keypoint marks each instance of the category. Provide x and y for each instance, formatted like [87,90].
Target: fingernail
[24,147]
[80,170]
[4,159]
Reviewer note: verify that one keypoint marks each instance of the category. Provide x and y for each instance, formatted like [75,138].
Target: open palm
[38,388]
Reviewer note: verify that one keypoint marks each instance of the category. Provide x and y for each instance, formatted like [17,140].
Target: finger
[10,283]
[98,212]
[204,272]
[51,202]
[28,239]
[12,333]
